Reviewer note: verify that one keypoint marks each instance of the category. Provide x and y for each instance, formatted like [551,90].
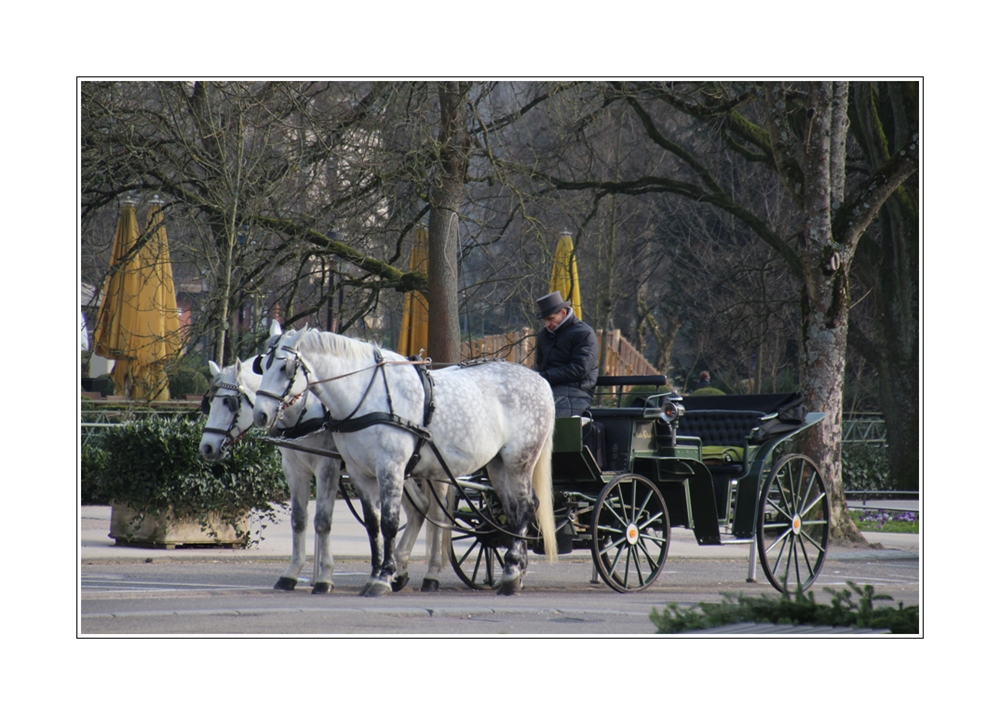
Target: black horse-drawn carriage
[636,465]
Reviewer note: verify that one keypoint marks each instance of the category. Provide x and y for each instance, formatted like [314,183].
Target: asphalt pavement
[350,541]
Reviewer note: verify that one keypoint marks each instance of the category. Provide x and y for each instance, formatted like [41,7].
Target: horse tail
[542,481]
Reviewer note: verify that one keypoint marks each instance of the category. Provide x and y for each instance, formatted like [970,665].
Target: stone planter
[168,532]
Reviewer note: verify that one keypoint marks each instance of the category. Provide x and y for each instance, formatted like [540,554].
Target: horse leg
[370,509]
[518,504]
[327,478]
[298,484]
[415,506]
[435,535]
[390,494]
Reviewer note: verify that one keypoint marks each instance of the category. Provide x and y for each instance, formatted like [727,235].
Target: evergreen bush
[801,609]
[153,463]
[187,381]
[93,460]
[865,465]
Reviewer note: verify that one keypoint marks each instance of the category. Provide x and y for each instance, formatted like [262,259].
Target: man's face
[552,321]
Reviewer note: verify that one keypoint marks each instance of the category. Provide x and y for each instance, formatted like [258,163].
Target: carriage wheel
[630,533]
[793,523]
[476,558]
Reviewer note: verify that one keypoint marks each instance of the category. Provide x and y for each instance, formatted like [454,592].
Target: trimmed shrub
[93,460]
[187,381]
[800,609]
[153,463]
[865,465]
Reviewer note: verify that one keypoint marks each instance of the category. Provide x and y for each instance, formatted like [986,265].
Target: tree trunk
[825,301]
[886,116]
[443,332]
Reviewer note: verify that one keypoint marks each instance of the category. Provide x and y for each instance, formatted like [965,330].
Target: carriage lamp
[671,412]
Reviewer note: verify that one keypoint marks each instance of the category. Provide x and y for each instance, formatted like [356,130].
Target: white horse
[386,414]
[230,406]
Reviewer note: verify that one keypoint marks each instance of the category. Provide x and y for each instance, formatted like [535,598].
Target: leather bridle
[232,403]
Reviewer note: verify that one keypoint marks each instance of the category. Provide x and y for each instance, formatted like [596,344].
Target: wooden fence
[620,358]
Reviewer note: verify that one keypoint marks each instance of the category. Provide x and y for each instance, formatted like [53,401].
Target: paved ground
[350,541]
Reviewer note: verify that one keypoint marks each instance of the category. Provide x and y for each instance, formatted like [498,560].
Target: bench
[724,424]
[723,435]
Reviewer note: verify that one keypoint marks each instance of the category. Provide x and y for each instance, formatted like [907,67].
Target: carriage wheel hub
[632,534]
[796,524]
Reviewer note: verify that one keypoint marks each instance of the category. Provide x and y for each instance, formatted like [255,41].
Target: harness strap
[378,418]
[428,383]
[301,429]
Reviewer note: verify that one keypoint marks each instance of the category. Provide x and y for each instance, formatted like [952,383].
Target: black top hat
[551,303]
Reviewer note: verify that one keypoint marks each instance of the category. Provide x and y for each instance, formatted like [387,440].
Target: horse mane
[339,345]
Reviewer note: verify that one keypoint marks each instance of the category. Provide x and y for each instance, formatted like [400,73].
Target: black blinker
[204,406]
[258,370]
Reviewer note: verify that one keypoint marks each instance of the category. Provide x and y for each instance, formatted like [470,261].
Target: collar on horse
[356,424]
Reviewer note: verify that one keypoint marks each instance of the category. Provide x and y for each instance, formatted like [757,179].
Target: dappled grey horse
[229,403]
[392,418]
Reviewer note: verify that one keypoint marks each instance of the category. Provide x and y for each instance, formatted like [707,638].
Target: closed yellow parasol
[138,325]
[413,332]
[564,273]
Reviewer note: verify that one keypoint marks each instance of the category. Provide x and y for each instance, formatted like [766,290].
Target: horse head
[229,407]
[284,377]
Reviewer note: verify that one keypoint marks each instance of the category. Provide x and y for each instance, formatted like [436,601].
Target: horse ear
[298,337]
[275,328]
[215,369]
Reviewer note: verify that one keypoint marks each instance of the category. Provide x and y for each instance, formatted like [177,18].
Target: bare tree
[800,133]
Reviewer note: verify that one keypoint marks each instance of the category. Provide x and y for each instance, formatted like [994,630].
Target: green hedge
[865,465]
[796,609]
[153,463]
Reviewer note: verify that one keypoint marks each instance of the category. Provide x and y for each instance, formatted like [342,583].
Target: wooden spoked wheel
[476,557]
[793,523]
[630,533]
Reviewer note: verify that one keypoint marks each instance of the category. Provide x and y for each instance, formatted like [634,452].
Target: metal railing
[102,415]
[864,429]
[885,494]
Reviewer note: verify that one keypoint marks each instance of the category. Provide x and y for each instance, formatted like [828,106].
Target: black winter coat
[568,356]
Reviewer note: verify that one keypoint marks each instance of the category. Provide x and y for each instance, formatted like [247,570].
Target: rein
[422,433]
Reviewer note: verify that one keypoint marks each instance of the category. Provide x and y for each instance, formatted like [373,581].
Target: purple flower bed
[881,517]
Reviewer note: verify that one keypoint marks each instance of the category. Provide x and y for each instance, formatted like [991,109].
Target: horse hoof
[376,589]
[429,584]
[322,588]
[509,588]
[285,584]
[400,582]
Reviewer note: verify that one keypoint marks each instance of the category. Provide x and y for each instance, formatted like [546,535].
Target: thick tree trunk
[825,301]
[823,353]
[898,312]
[443,333]
[886,119]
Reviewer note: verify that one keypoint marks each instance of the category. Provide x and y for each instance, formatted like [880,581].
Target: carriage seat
[723,435]
[720,428]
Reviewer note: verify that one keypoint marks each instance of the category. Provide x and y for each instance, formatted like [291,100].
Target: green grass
[892,522]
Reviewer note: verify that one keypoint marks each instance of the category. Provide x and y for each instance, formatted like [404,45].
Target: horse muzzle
[263,416]
[210,452]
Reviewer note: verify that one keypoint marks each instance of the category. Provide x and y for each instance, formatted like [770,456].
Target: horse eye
[256,367]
